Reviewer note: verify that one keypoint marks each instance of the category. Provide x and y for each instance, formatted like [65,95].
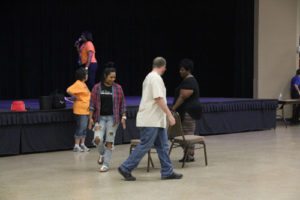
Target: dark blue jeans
[151,136]
[92,70]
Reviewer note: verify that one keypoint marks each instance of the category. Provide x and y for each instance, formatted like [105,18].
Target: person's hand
[123,121]
[91,123]
[171,120]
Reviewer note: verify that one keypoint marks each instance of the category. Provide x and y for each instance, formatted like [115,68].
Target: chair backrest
[176,130]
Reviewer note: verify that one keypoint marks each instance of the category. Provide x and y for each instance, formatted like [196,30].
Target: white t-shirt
[150,114]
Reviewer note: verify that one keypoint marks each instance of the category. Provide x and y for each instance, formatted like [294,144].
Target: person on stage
[186,102]
[87,57]
[108,109]
[80,92]
[152,121]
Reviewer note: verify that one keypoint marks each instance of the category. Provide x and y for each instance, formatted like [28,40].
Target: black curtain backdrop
[37,37]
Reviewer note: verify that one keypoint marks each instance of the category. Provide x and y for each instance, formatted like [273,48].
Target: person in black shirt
[186,102]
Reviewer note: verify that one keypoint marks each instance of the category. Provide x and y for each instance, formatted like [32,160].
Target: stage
[49,130]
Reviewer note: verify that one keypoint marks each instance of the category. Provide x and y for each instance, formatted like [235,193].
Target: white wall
[276,38]
[275,41]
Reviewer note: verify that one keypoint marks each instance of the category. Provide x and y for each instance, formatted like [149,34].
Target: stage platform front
[49,130]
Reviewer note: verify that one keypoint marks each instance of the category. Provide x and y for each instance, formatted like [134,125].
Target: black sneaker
[188,159]
[127,176]
[174,175]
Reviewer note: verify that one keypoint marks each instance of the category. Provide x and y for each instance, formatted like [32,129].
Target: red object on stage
[18,106]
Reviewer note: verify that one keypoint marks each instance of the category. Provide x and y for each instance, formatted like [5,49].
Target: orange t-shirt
[83,95]
[84,49]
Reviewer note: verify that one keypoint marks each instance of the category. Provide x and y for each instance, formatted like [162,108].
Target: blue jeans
[151,136]
[107,128]
[81,126]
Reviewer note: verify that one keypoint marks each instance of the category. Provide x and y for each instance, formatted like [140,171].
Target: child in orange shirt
[81,107]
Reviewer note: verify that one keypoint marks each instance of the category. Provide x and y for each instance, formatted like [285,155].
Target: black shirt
[106,100]
[191,105]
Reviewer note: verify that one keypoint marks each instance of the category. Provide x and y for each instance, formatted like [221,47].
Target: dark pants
[92,70]
[296,108]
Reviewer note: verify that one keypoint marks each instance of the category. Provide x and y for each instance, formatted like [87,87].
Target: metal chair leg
[171,148]
[151,161]
[205,155]
[185,155]
[148,162]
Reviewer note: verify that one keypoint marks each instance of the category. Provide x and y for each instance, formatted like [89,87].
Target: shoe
[174,175]
[77,149]
[100,160]
[84,148]
[104,168]
[127,176]
[188,159]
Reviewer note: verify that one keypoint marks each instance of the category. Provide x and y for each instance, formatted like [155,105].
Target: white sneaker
[84,148]
[104,168]
[77,149]
[100,160]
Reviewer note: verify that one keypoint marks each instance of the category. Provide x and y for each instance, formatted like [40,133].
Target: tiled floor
[261,165]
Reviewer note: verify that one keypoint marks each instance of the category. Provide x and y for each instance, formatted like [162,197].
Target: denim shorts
[81,126]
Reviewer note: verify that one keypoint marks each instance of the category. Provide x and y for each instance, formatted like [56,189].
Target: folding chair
[178,139]
[133,144]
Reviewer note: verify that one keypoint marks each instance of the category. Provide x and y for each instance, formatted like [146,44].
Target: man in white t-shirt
[151,118]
